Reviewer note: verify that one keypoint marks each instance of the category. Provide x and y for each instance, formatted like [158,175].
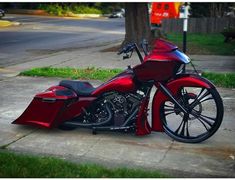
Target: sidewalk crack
[165,154]
[23,136]
[84,154]
[59,63]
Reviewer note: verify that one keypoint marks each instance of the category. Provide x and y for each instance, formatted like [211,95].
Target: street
[39,36]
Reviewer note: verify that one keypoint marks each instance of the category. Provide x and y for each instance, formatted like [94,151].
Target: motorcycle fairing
[161,45]
[186,80]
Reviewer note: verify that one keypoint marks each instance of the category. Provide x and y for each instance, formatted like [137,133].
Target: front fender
[183,80]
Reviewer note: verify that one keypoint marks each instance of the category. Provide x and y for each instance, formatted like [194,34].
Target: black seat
[82,88]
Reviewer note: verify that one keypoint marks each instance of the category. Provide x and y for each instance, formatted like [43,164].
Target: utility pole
[185,26]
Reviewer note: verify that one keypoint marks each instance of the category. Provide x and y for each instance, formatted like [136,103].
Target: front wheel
[205,114]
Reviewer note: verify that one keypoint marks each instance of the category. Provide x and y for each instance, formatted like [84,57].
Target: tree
[209,9]
[137,23]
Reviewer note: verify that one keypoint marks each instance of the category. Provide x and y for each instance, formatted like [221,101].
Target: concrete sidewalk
[212,158]
[93,57]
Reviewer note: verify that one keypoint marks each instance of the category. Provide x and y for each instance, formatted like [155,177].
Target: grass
[17,165]
[58,9]
[84,74]
[204,43]
[219,79]
[226,80]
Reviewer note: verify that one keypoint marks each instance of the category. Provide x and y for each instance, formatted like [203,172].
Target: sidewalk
[212,158]
[93,57]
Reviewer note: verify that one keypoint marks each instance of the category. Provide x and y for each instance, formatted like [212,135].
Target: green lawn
[226,80]
[24,166]
[223,80]
[84,74]
[204,43]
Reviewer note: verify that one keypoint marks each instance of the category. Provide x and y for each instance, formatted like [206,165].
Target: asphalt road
[40,36]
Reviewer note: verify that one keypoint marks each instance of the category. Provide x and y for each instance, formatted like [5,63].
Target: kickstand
[94,132]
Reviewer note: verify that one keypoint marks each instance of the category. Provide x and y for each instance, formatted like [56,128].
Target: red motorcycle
[186,106]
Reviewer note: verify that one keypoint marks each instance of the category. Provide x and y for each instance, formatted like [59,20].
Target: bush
[60,9]
[83,9]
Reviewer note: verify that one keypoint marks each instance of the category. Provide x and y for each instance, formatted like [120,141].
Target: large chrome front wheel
[205,114]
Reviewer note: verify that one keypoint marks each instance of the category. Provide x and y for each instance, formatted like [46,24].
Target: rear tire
[194,127]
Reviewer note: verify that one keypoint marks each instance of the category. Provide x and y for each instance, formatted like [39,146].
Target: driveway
[212,158]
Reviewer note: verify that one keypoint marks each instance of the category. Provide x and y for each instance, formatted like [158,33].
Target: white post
[185,26]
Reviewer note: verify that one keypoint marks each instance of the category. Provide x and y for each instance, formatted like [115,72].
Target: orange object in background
[162,10]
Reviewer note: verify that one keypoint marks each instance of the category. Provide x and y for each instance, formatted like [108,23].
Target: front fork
[142,125]
[167,92]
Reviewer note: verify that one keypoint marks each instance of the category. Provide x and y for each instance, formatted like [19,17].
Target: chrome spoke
[168,106]
[209,98]
[204,116]
[177,130]
[169,113]
[202,120]
[183,128]
[198,99]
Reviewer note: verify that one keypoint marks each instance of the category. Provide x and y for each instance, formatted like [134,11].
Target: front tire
[205,115]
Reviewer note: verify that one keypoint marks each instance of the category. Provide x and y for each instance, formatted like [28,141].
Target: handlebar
[130,47]
[145,46]
[127,48]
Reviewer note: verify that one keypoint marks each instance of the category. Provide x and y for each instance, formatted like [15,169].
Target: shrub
[60,9]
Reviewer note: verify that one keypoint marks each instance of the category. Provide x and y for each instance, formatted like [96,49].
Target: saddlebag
[47,108]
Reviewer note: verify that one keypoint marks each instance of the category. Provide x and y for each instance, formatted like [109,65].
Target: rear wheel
[205,114]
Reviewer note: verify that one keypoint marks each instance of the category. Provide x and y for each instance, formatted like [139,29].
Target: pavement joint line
[64,51]
[23,136]
[7,78]
[168,149]
[61,62]
[91,147]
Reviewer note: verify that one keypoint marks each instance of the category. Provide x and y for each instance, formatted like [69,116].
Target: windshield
[181,56]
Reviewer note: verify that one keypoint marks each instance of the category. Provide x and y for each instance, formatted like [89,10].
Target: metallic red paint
[40,113]
[122,83]
[45,109]
[174,85]
[161,45]
[51,93]
[74,109]
[155,70]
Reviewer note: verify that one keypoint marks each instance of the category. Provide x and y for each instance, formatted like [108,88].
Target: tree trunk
[137,23]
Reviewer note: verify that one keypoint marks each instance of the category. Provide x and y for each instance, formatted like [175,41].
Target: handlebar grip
[127,48]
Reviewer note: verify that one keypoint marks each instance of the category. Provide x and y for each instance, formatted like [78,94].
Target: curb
[44,13]
[5,23]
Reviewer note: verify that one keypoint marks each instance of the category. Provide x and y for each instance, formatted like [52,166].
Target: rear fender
[46,107]
[188,80]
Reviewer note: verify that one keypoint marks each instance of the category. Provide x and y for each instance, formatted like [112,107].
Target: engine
[123,106]
[113,109]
